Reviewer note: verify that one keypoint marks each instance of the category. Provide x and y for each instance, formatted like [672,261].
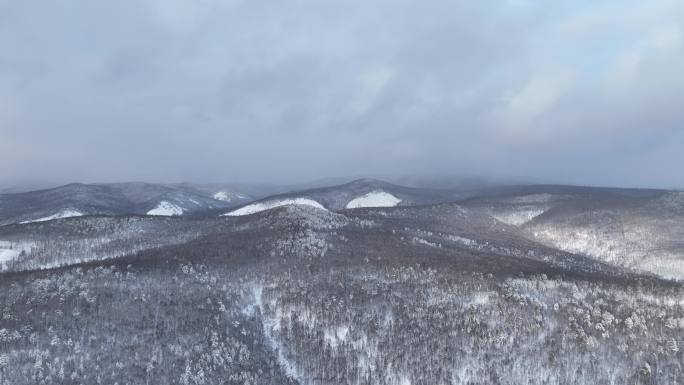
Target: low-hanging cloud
[217,90]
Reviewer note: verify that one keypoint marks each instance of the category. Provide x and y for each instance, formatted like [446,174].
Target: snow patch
[537,198]
[222,196]
[425,242]
[336,336]
[66,213]
[478,299]
[518,217]
[262,206]
[7,252]
[458,239]
[227,196]
[374,199]
[11,250]
[167,209]
[7,255]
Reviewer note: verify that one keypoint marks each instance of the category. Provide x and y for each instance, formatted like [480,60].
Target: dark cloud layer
[217,90]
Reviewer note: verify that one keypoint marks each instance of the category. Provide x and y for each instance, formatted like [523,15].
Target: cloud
[371,84]
[534,99]
[271,90]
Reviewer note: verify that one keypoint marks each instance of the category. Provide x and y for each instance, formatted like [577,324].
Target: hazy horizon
[413,180]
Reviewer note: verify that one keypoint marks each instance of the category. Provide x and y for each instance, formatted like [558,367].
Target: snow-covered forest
[438,294]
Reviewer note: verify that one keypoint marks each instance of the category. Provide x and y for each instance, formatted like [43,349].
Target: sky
[581,92]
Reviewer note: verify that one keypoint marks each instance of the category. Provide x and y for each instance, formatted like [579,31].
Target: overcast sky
[274,90]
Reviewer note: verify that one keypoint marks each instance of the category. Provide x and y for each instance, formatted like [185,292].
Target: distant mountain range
[116,199]
[639,229]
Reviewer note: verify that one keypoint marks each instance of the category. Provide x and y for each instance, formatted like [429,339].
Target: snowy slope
[7,252]
[262,206]
[112,199]
[517,217]
[66,213]
[226,196]
[165,208]
[641,230]
[337,197]
[374,199]
[11,250]
[7,255]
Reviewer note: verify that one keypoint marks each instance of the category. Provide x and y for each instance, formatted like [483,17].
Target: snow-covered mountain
[271,204]
[66,213]
[112,199]
[296,294]
[305,291]
[377,198]
[369,193]
[188,199]
[638,229]
[228,196]
[165,208]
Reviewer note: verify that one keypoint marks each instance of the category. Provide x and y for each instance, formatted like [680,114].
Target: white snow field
[374,199]
[11,250]
[166,209]
[262,206]
[227,196]
[66,213]
[7,252]
[222,196]
[518,217]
